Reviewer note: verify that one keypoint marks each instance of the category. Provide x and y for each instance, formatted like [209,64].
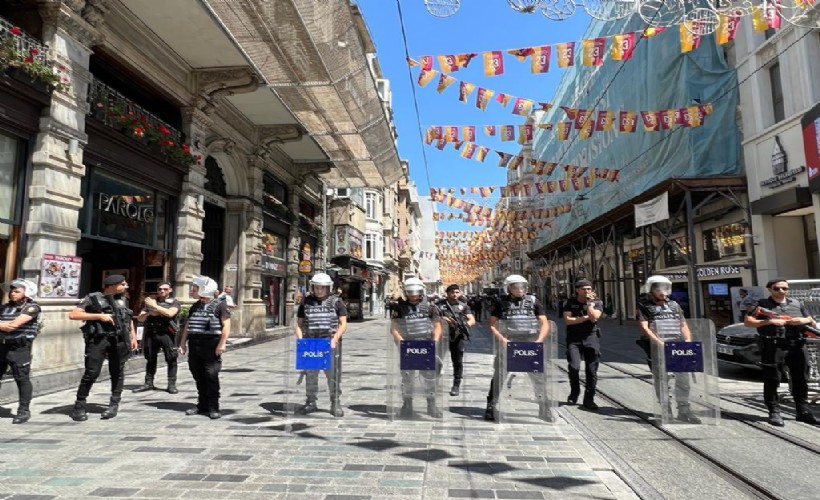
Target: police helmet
[29,288]
[514,279]
[414,286]
[656,281]
[207,286]
[321,279]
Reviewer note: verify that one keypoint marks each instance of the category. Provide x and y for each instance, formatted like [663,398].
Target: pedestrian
[109,333]
[323,315]
[477,307]
[387,306]
[778,320]
[160,327]
[204,337]
[227,297]
[661,319]
[459,318]
[415,318]
[524,315]
[581,315]
[19,325]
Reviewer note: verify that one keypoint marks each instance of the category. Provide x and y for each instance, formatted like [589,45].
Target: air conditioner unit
[342,192]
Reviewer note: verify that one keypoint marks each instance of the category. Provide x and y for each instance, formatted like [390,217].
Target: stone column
[251,283]
[294,241]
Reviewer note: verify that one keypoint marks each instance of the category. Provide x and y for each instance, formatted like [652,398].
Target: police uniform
[583,342]
[520,317]
[784,345]
[320,319]
[159,333]
[457,338]
[15,351]
[104,341]
[204,330]
[415,322]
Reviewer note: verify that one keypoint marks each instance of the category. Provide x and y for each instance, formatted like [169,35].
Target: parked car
[737,344]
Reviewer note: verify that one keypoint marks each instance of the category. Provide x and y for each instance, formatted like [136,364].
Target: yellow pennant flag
[426,76]
[464,91]
[443,82]
[759,21]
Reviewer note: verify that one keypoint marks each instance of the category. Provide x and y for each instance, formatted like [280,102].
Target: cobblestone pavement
[152,450]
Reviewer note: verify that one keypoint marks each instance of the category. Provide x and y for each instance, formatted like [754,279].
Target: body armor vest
[664,319]
[417,322]
[519,318]
[202,319]
[10,312]
[791,307]
[321,319]
[159,324]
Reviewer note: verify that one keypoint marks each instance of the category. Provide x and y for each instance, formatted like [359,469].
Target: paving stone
[456,493]
[113,492]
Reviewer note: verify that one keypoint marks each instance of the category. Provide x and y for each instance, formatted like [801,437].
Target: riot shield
[414,364]
[524,376]
[684,373]
[312,376]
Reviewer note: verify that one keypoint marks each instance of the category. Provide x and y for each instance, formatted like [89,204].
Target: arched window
[214,179]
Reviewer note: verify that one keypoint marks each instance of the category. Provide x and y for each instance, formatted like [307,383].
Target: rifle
[120,315]
[807,330]
[461,326]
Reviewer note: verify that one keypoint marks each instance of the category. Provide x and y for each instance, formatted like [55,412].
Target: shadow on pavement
[468,411]
[371,411]
[558,482]
[489,468]
[433,455]
[237,370]
[275,408]
[65,409]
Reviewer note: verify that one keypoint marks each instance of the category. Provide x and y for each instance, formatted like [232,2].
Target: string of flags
[575,181]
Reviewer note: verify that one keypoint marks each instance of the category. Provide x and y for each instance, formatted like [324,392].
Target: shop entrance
[213,242]
[718,301]
[104,258]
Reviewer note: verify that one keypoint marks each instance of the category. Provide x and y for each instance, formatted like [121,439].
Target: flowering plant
[17,51]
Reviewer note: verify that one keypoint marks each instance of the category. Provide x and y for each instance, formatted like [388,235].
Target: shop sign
[708,272]
[810,123]
[59,276]
[270,265]
[675,276]
[348,241]
[780,168]
[305,265]
[126,206]
[636,253]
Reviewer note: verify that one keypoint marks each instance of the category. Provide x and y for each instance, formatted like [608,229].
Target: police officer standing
[459,318]
[516,307]
[109,333]
[661,319]
[159,318]
[204,337]
[323,315]
[420,322]
[782,342]
[581,315]
[18,327]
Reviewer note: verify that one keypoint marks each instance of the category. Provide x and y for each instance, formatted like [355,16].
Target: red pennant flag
[667,118]
[522,106]
[727,29]
[773,14]
[581,118]
[650,119]
[627,121]
[605,121]
[571,112]
[503,98]
[622,46]
[493,63]
[463,60]
[427,63]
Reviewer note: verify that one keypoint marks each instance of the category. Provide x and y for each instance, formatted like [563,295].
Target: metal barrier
[808,292]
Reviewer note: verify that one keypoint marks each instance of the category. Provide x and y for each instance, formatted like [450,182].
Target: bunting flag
[581,117]
[447,63]
[483,97]
[450,133]
[481,154]
[772,12]
[489,130]
[504,158]
[520,54]
[426,62]
[503,99]
[464,91]
[540,59]
[525,133]
[462,60]
[586,129]
[493,63]
[412,62]
[653,31]
[444,81]
[593,51]
[605,121]
[688,41]
[469,150]
[650,120]
[759,22]
[627,121]
[727,28]
[562,130]
[507,132]
[522,106]
[565,53]
[426,76]
[622,46]
[468,133]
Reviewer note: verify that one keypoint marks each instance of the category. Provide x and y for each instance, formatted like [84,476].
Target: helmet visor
[662,287]
[517,287]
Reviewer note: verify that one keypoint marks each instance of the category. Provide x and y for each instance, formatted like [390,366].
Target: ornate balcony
[21,52]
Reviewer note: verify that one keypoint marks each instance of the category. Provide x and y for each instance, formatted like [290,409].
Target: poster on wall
[743,298]
[59,276]
[348,241]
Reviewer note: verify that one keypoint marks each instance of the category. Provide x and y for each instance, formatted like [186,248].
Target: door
[213,242]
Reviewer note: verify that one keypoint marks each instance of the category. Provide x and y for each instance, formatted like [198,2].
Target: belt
[12,340]
[202,338]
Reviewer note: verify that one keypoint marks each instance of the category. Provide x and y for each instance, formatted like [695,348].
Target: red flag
[605,121]
[520,54]
[562,130]
[773,14]
[622,46]
[503,98]
[493,63]
[540,59]
[593,51]
[522,106]
[571,112]
[427,62]
[525,133]
[650,120]
[565,53]
[507,132]
[451,133]
[463,60]
[581,118]
[482,97]
[489,129]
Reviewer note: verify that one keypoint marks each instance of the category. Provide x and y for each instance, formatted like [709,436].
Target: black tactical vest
[321,319]
[203,319]
[159,324]
[789,308]
[664,319]
[518,318]
[417,322]
[10,312]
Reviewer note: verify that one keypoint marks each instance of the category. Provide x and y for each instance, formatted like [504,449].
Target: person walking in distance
[159,318]
[581,315]
[459,318]
[778,320]
[109,333]
[205,337]
[19,325]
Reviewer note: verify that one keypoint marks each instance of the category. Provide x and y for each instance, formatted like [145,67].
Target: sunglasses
[163,288]
[780,288]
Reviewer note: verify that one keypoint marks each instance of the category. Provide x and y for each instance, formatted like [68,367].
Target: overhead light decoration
[526,6]
[442,8]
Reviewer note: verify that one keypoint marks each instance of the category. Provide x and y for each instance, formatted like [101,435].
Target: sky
[478,26]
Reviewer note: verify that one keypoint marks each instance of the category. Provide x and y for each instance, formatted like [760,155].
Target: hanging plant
[17,51]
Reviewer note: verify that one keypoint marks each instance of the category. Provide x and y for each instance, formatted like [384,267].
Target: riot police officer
[18,327]
[581,315]
[323,315]
[516,306]
[459,318]
[778,319]
[159,317]
[420,322]
[204,337]
[661,319]
[109,333]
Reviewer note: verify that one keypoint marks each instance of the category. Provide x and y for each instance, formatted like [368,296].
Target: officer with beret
[459,317]
[109,333]
[581,315]
[18,327]
[782,343]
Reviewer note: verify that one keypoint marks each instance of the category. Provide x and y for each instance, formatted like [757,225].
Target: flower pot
[23,77]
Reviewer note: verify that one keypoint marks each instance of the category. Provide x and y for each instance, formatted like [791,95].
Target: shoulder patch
[31,310]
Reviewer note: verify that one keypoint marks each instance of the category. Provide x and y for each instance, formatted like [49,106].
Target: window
[371,205]
[777,93]
[10,179]
[373,246]
[676,252]
[273,245]
[724,241]
[275,189]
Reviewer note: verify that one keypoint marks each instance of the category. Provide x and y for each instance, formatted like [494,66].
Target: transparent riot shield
[685,374]
[414,365]
[524,376]
[312,377]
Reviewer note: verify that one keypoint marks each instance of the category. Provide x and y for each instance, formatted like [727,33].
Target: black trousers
[457,347]
[152,344]
[205,366]
[576,352]
[333,376]
[477,312]
[17,355]
[97,348]
[536,379]
[796,359]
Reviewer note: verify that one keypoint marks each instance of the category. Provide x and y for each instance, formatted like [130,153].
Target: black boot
[803,415]
[489,412]
[686,415]
[147,386]
[310,407]
[432,409]
[172,385]
[23,415]
[78,413]
[111,411]
[407,408]
[774,417]
[336,409]
[455,388]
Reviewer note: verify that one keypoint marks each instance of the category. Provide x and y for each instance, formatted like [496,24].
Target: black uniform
[583,342]
[204,331]
[15,349]
[784,345]
[105,340]
[457,338]
[159,333]
[415,322]
[321,320]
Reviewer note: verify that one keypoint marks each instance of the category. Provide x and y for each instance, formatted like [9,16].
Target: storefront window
[9,178]
[724,241]
[676,252]
[273,245]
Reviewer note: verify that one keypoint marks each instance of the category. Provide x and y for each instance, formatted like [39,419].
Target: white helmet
[414,285]
[321,279]
[29,288]
[513,279]
[656,280]
[207,286]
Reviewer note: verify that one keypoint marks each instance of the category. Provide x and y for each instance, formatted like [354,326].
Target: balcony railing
[21,43]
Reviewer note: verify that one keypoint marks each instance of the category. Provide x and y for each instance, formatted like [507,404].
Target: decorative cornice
[64,15]
[94,12]
[221,145]
[279,134]
[213,85]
